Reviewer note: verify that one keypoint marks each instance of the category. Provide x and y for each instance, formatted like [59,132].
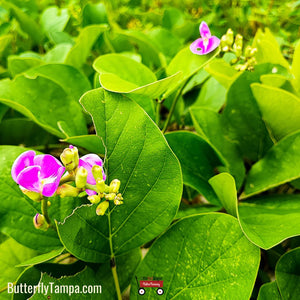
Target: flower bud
[118,199]
[97,172]
[229,36]
[37,197]
[114,186]
[70,158]
[67,190]
[110,196]
[94,199]
[81,177]
[100,185]
[248,51]
[101,208]
[39,222]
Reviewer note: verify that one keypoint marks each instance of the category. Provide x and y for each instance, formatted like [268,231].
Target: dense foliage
[200,152]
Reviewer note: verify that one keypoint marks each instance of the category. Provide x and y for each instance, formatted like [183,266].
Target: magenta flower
[37,173]
[88,161]
[206,43]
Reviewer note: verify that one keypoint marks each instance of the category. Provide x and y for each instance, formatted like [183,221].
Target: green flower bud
[81,177]
[67,190]
[94,199]
[118,199]
[114,186]
[39,222]
[97,172]
[101,208]
[110,196]
[229,36]
[248,51]
[37,197]
[70,158]
[100,185]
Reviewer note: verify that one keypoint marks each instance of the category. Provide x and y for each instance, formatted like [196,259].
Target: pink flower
[206,43]
[88,161]
[37,173]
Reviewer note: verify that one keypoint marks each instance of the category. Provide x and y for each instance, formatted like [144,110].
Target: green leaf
[213,128]
[17,211]
[74,83]
[54,19]
[279,165]
[24,95]
[224,186]
[94,14]
[198,161]
[58,53]
[11,254]
[268,49]
[26,22]
[18,65]
[269,291]
[121,74]
[287,274]
[243,116]
[5,40]
[189,210]
[267,221]
[84,42]
[295,68]
[280,109]
[90,142]
[222,71]
[41,258]
[187,63]
[211,96]
[150,176]
[201,257]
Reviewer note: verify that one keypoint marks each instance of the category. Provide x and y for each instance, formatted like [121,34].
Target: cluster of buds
[88,175]
[229,43]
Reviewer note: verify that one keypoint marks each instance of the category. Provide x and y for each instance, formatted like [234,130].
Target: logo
[150,282]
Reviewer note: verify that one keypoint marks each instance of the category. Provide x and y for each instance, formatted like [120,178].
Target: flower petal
[90,192]
[29,178]
[49,165]
[92,159]
[213,43]
[90,178]
[23,161]
[197,47]
[50,188]
[204,30]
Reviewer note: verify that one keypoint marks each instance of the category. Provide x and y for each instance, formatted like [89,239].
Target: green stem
[91,187]
[66,178]
[157,117]
[44,207]
[173,107]
[115,276]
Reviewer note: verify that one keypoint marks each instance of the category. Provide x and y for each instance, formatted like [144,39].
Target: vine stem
[44,207]
[173,106]
[115,276]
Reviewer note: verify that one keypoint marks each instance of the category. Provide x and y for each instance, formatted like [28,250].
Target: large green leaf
[11,254]
[94,14]
[279,165]
[84,42]
[198,161]
[280,109]
[213,128]
[17,64]
[122,74]
[74,83]
[266,221]
[287,274]
[201,257]
[150,177]
[269,291]
[188,64]
[54,19]
[268,49]
[31,97]
[17,211]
